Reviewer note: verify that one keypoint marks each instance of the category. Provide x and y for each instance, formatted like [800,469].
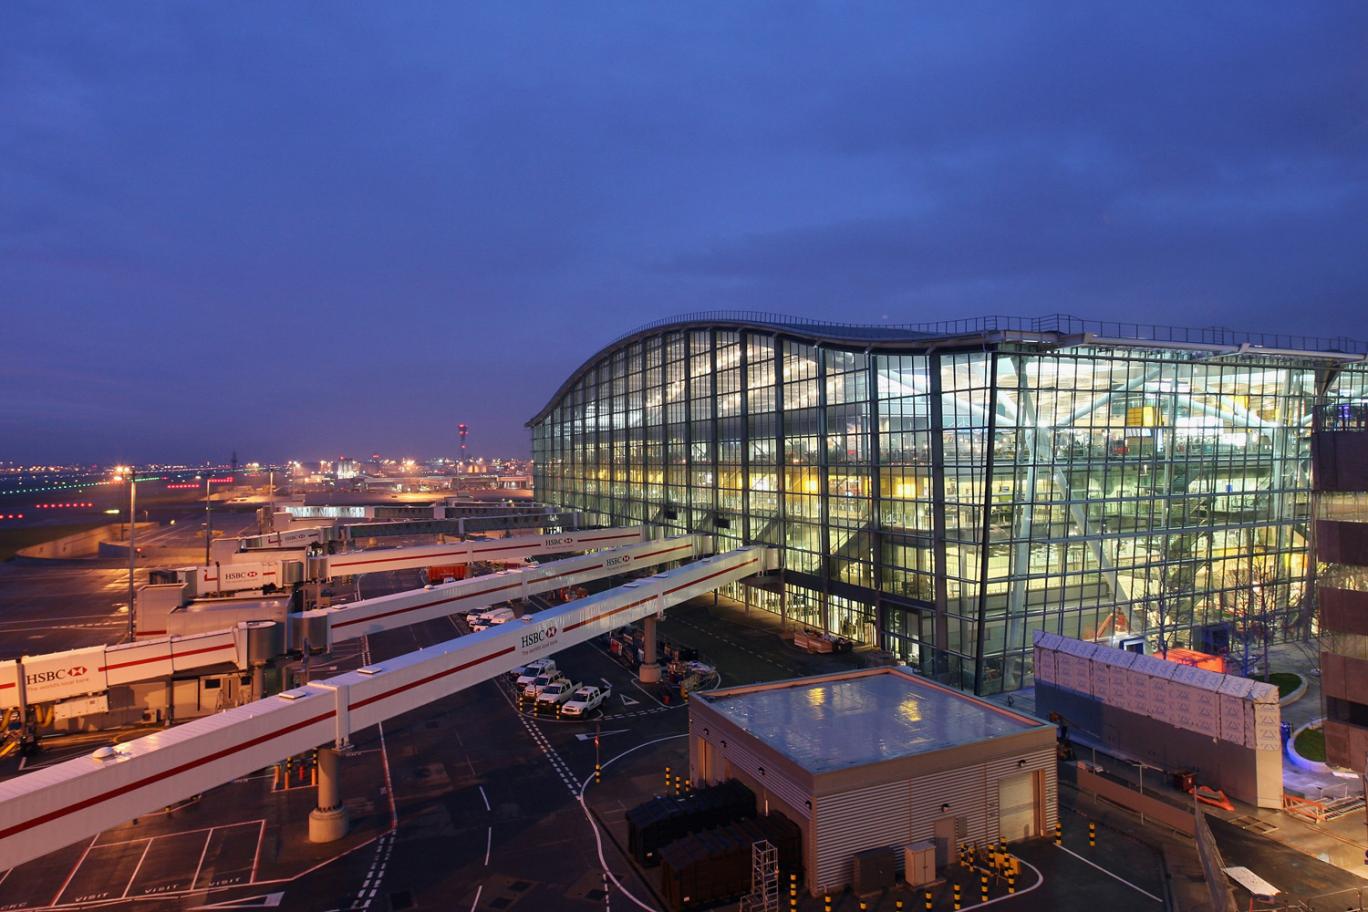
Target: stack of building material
[661,821]
[712,866]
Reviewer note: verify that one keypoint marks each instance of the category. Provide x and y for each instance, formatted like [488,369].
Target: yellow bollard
[1011,883]
[826,904]
[1092,835]
[1059,834]
[928,900]
[983,886]
[957,897]
[667,777]
[598,773]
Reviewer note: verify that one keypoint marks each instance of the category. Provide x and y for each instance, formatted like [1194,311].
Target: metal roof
[1051,329]
[831,724]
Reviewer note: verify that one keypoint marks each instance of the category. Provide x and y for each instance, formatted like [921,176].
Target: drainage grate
[401,900]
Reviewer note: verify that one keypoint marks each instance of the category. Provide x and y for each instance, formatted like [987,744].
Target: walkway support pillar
[328,821]
[649,672]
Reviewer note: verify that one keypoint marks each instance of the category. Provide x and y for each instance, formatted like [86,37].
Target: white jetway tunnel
[67,802]
[92,671]
[234,570]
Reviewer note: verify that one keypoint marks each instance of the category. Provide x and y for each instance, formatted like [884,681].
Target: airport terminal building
[944,490]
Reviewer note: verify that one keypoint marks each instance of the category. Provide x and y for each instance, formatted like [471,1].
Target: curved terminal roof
[1052,329]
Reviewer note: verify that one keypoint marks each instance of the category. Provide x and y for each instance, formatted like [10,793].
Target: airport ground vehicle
[553,696]
[524,674]
[540,683]
[585,700]
[492,618]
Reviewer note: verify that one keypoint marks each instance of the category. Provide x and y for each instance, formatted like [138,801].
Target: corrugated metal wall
[787,791]
[899,813]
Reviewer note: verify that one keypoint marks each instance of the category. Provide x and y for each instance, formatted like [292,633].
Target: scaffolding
[764,894]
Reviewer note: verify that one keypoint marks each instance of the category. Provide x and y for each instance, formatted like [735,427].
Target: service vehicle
[524,674]
[585,700]
[540,683]
[486,619]
[554,695]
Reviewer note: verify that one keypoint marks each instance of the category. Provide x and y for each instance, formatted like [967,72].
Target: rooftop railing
[1063,324]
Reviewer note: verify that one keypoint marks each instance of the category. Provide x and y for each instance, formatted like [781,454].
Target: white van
[486,619]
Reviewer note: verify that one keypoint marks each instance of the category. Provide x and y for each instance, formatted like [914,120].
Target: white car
[585,700]
[524,674]
[486,619]
[553,695]
[540,683]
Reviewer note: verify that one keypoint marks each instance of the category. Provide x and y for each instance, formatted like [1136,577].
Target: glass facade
[943,498]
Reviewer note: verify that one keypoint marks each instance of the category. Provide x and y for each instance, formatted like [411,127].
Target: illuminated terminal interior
[942,491]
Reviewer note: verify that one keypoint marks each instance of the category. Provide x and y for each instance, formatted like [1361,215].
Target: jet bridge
[65,803]
[93,670]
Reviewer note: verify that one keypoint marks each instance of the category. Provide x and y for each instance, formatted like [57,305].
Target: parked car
[585,700]
[540,683]
[555,694]
[524,674]
[486,619]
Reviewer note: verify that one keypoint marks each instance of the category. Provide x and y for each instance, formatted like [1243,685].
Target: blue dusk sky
[307,230]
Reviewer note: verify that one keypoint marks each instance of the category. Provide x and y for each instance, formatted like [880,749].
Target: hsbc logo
[568,540]
[538,637]
[58,674]
[617,561]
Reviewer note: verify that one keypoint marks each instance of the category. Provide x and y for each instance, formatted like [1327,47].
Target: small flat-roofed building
[876,758]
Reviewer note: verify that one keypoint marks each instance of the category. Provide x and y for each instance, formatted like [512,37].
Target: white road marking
[489,843]
[484,797]
[478,891]
[137,868]
[80,861]
[203,852]
[1110,874]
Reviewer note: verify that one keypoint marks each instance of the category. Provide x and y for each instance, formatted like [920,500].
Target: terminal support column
[328,821]
[650,665]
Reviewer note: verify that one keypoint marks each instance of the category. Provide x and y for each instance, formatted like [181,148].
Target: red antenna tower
[462,430]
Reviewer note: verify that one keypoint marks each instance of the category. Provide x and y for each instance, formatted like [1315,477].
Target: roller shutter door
[1016,807]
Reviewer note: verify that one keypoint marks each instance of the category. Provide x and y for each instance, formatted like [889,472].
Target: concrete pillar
[258,681]
[649,673]
[328,821]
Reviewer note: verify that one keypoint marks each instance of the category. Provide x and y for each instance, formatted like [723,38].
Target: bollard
[898,903]
[957,897]
[676,785]
[667,777]
[983,886]
[1059,834]
[793,885]
[826,904]
[1092,835]
[1011,882]
[927,894]
[598,773]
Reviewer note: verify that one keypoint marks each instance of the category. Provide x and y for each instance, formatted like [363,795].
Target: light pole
[132,547]
[208,518]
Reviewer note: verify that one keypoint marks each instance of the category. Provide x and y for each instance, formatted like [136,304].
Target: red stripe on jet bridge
[701,579]
[376,617]
[10,684]
[433,604]
[165,774]
[430,678]
[470,550]
[173,655]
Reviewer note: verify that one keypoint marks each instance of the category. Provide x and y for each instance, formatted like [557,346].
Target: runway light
[112,512]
